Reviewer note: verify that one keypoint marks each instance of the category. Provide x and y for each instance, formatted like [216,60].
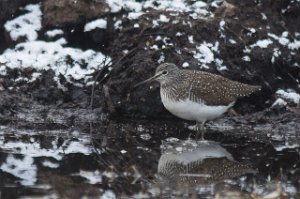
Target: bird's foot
[232,112]
[201,130]
[192,127]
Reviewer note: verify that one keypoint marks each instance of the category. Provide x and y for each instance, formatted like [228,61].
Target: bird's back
[208,88]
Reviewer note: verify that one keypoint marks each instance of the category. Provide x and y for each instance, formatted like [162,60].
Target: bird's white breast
[189,110]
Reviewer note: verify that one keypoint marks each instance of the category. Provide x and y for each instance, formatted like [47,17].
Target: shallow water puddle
[139,160]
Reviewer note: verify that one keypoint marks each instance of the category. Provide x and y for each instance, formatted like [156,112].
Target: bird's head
[162,72]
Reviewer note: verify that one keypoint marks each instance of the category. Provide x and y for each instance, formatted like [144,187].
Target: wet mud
[114,141]
[145,159]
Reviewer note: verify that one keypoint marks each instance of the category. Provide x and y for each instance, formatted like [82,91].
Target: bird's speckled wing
[217,90]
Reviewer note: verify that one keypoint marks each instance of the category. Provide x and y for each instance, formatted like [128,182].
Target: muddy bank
[250,42]
[127,159]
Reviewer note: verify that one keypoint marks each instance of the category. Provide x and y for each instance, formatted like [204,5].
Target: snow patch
[262,43]
[289,96]
[132,5]
[134,15]
[98,23]
[22,168]
[50,164]
[279,102]
[64,61]
[115,5]
[204,53]
[164,19]
[26,25]
[185,65]
[108,194]
[276,53]
[93,177]
[53,33]
[284,41]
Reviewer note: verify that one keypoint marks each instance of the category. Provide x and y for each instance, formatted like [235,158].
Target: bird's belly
[189,110]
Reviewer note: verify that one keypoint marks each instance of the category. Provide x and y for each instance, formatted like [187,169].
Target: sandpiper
[197,95]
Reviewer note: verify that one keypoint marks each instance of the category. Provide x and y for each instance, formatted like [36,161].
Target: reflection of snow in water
[50,164]
[24,167]
[188,151]
[108,195]
[93,177]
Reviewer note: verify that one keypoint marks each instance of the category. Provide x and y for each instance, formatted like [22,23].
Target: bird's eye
[165,72]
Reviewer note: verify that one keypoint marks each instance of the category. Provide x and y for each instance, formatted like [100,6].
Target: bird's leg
[200,130]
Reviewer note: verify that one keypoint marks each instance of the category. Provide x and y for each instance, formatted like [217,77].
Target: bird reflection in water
[190,165]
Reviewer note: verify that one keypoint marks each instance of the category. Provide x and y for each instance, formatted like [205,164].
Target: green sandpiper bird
[197,95]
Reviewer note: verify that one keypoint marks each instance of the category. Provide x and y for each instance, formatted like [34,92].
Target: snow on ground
[134,15]
[26,25]
[204,54]
[23,168]
[108,194]
[98,23]
[55,32]
[93,177]
[74,64]
[198,8]
[43,55]
[279,102]
[289,96]
[21,161]
[285,41]
[262,43]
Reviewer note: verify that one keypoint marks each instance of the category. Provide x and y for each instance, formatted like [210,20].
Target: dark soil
[118,109]
[115,94]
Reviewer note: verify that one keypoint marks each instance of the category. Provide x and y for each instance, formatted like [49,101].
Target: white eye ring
[164,72]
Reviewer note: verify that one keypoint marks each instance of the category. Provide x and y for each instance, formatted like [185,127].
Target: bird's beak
[148,80]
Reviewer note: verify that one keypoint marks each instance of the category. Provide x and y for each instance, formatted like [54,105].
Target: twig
[108,74]
[97,76]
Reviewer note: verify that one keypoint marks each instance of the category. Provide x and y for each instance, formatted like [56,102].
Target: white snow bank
[55,32]
[62,60]
[199,8]
[204,53]
[262,43]
[26,25]
[279,102]
[289,96]
[98,23]
[285,41]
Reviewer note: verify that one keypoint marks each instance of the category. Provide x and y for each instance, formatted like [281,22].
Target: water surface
[125,159]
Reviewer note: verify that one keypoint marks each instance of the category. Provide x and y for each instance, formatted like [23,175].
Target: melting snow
[284,41]
[55,32]
[52,55]
[276,53]
[50,164]
[285,146]
[204,53]
[114,5]
[199,8]
[262,43]
[232,41]
[22,168]
[279,102]
[99,23]
[134,15]
[164,19]
[290,96]
[191,39]
[185,65]
[26,25]
[93,177]
[108,195]
[132,5]
[42,55]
